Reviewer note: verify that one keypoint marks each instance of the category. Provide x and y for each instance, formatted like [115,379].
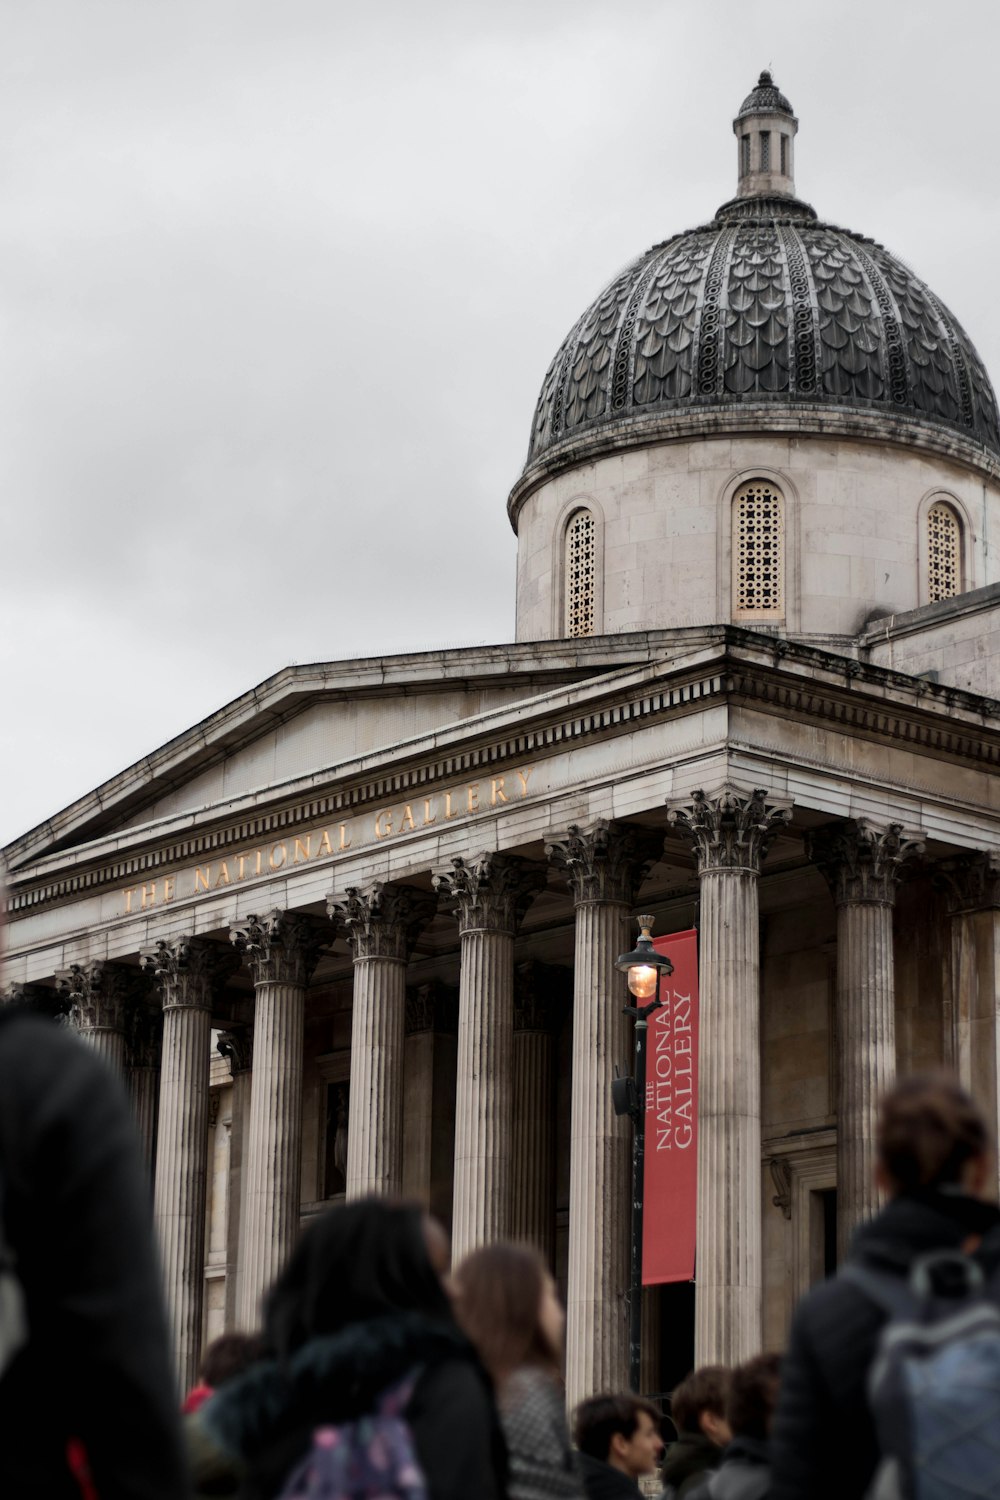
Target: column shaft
[533,1142]
[375,1139]
[144,1087]
[270,1207]
[728,1294]
[181,1175]
[975,967]
[234,1222]
[481,1208]
[598,1271]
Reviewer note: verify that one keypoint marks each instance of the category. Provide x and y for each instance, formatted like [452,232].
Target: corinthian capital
[382,920]
[732,828]
[491,891]
[99,995]
[605,862]
[281,947]
[862,860]
[971,882]
[189,971]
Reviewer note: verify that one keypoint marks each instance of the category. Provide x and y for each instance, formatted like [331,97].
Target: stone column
[188,972]
[491,893]
[861,862]
[972,887]
[282,949]
[99,995]
[730,830]
[605,865]
[236,1046]
[537,996]
[382,922]
[143,1054]
[429,1096]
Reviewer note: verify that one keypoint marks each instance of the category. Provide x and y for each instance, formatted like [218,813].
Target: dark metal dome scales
[765,304]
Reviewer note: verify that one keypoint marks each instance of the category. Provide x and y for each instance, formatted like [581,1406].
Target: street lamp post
[644,967]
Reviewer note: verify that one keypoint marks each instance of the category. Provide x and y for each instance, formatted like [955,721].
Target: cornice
[739,668]
[603,439]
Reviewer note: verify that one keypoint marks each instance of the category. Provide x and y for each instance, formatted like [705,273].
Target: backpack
[370,1458]
[934,1384]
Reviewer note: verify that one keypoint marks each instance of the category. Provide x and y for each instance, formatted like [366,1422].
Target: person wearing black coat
[95,1372]
[359,1308]
[933,1158]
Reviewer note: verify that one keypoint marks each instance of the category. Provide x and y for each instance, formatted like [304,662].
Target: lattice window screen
[581,573]
[758,550]
[944,556]
[765,151]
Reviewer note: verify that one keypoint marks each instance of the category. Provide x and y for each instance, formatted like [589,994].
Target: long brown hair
[498,1295]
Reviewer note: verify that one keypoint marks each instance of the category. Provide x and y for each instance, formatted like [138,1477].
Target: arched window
[581,573]
[944,552]
[758,551]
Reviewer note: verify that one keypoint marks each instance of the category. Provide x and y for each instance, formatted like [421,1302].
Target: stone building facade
[356,932]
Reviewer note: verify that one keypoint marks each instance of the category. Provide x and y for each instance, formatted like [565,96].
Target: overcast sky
[280,282]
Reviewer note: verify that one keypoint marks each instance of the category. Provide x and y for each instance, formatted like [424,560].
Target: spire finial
[765,129]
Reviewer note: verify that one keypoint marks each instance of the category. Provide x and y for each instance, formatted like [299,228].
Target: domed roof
[765,97]
[764,306]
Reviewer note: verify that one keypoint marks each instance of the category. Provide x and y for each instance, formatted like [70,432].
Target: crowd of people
[381,1372]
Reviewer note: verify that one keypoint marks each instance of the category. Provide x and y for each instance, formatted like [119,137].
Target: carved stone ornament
[236,1046]
[970,882]
[189,971]
[490,892]
[605,862]
[732,828]
[282,947]
[432,1007]
[383,920]
[862,860]
[44,999]
[99,995]
[541,996]
[781,1176]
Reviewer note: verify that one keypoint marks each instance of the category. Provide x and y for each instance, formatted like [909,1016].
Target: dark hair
[753,1395]
[597,1419]
[359,1261]
[928,1129]
[498,1292]
[229,1355]
[706,1389]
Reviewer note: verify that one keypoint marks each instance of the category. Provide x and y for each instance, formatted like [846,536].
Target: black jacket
[248,1437]
[743,1474]
[686,1461]
[76,1212]
[823,1444]
[603,1481]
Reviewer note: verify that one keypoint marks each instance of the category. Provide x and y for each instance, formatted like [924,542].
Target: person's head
[931,1135]
[229,1355]
[753,1395]
[359,1261]
[623,1431]
[505,1300]
[699,1404]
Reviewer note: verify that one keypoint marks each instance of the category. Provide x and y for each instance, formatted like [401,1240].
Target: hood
[925,1220]
[330,1379]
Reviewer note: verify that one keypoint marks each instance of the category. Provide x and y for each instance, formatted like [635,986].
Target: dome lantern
[765,130]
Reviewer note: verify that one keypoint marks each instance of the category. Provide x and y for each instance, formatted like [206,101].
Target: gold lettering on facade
[459,802]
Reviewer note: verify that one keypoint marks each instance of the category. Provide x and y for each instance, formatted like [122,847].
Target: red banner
[671,1175]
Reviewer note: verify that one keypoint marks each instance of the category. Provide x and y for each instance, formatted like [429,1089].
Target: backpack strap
[892,1294]
[394,1401]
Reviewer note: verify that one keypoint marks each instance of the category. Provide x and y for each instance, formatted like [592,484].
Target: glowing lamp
[644,966]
